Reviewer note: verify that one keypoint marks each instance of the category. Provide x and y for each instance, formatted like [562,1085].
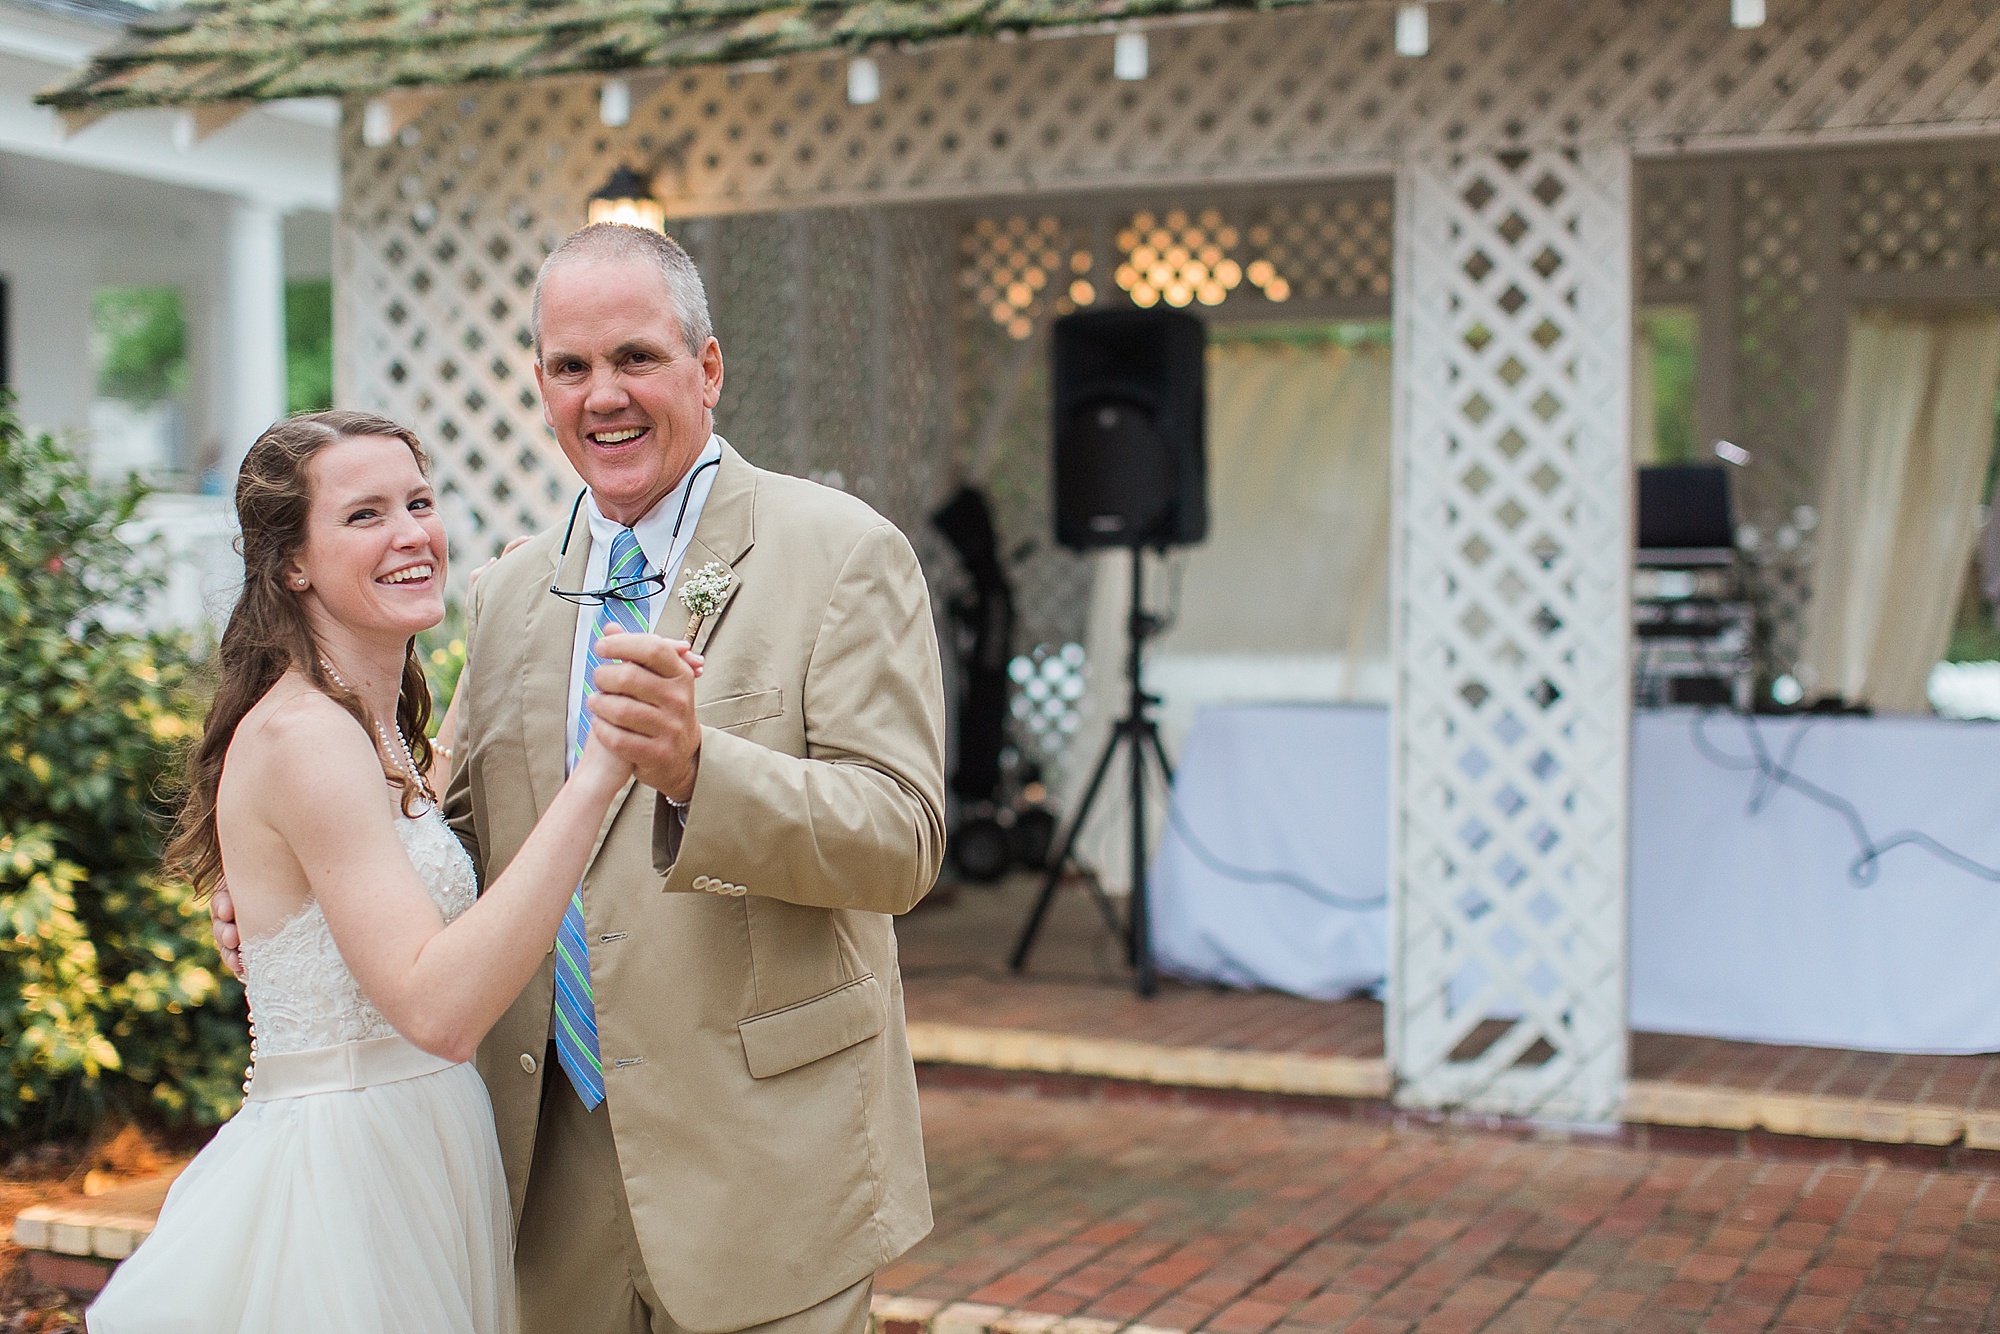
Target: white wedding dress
[359,1190]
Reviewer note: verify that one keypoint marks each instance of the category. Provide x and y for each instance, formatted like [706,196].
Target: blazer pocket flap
[740,710]
[797,1035]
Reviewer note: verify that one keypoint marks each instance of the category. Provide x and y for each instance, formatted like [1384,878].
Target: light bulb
[1128,56]
[1413,31]
[614,103]
[864,81]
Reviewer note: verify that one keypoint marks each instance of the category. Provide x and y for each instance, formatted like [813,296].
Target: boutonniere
[702,594]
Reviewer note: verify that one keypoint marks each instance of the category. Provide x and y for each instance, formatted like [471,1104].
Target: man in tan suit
[756,1154]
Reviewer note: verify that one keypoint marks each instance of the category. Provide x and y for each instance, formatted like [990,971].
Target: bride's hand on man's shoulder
[222,923]
[491,561]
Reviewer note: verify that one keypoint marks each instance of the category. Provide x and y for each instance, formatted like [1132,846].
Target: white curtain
[1899,504]
[1288,599]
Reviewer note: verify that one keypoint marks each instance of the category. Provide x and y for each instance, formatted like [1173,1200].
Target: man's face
[628,403]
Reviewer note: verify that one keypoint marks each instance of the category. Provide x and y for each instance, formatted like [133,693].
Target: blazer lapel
[726,531]
[544,686]
[699,553]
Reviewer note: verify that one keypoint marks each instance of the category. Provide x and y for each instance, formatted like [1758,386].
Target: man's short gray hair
[615,240]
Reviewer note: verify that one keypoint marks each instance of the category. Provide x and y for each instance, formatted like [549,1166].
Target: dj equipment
[1692,652]
[1128,429]
[1693,632]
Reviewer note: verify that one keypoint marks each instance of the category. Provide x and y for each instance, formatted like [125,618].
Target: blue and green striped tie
[576,1015]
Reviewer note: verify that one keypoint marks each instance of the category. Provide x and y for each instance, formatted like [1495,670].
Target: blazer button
[702,882]
[527,1063]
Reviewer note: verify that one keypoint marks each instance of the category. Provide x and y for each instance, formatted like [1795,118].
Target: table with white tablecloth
[1745,923]
[1295,791]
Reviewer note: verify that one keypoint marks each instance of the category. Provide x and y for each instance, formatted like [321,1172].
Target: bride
[360,1187]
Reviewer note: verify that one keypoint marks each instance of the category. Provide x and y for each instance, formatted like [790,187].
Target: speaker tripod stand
[1139,734]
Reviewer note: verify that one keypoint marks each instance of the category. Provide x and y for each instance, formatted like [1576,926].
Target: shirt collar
[655,529]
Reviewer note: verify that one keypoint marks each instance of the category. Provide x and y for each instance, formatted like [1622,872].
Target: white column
[1512,629]
[48,323]
[248,385]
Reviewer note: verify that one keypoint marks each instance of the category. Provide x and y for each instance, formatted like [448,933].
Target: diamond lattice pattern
[1311,91]
[1672,238]
[1509,853]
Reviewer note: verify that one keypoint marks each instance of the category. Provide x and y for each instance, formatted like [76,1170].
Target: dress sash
[341,1069]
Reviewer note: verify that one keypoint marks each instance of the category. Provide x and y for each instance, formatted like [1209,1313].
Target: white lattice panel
[1313,91]
[1672,236]
[1508,853]
[1909,218]
[441,228]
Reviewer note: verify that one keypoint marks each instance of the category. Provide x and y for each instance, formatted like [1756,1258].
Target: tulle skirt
[359,1189]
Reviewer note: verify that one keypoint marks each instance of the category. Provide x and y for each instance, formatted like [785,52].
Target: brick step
[1296,1075]
[76,1244]
[916,1315]
[1811,1115]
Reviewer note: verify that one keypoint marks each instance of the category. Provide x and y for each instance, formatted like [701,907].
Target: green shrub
[140,342]
[442,648]
[111,996]
[308,346]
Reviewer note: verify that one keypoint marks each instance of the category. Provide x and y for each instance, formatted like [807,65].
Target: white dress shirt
[663,549]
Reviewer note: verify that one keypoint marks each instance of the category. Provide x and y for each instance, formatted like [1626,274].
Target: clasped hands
[646,692]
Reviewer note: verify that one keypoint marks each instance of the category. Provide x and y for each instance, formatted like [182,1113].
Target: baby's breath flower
[702,594]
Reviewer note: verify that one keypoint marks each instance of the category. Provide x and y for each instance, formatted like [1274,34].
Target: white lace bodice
[301,994]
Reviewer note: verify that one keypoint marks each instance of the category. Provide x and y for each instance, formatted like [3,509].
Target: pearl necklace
[402,746]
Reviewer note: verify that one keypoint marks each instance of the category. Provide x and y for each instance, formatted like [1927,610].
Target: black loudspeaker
[1131,466]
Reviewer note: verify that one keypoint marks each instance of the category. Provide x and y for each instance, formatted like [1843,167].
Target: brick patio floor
[1245,1222]
[954,969]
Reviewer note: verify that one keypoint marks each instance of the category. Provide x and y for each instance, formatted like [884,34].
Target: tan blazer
[749,1009]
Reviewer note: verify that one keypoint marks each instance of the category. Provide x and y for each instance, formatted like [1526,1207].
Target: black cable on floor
[1773,773]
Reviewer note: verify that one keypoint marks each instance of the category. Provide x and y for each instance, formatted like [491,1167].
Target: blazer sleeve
[458,788]
[858,822]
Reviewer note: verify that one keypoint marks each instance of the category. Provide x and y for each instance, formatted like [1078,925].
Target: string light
[864,81]
[1413,31]
[614,103]
[1128,56]
[378,123]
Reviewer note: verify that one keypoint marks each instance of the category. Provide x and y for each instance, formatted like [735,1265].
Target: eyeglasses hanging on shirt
[644,586]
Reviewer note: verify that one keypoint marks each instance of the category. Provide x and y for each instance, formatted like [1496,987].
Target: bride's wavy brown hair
[268,633]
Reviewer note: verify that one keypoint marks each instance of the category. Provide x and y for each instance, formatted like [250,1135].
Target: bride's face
[374,556]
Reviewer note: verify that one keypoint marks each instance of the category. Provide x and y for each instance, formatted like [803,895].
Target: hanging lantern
[625,198]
